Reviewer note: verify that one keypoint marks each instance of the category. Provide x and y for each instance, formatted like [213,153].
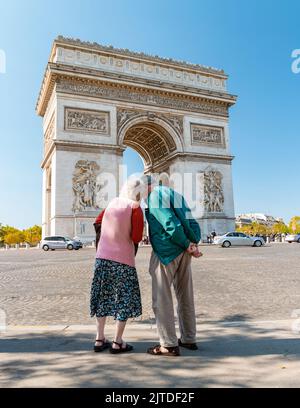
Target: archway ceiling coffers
[147,159]
[151,141]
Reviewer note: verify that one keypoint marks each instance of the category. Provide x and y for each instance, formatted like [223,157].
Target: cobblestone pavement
[42,288]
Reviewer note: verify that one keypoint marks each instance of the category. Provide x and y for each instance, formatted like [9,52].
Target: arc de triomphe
[95,100]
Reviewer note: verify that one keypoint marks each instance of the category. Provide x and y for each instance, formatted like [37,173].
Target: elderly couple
[174,235]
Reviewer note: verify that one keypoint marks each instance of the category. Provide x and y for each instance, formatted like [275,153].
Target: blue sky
[251,40]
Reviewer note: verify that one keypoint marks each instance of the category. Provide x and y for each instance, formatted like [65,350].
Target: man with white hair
[174,235]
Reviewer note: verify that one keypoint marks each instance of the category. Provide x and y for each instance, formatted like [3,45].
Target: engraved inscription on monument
[207,135]
[86,120]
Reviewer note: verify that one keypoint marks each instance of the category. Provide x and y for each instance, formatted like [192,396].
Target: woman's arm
[137,226]
[97,226]
[100,217]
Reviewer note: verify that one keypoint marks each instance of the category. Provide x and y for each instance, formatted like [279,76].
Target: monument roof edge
[61,40]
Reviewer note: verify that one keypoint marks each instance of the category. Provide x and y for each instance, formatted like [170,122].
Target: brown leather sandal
[189,346]
[120,349]
[104,346]
[156,351]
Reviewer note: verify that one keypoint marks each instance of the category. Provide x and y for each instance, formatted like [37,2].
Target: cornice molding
[57,72]
[215,158]
[122,77]
[187,156]
[64,145]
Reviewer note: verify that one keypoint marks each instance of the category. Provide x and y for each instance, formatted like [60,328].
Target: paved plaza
[236,284]
[247,335]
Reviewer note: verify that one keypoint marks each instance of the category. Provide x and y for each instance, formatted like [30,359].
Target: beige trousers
[179,273]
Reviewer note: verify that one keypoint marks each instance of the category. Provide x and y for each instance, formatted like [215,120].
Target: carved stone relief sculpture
[48,137]
[86,120]
[175,121]
[137,96]
[84,186]
[207,135]
[213,192]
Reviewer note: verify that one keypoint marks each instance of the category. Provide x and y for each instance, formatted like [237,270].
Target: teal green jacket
[171,225]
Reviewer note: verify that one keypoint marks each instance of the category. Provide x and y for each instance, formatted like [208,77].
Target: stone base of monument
[217,222]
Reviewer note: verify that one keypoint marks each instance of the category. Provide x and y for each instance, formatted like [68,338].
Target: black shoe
[189,346]
[156,351]
[121,349]
[104,346]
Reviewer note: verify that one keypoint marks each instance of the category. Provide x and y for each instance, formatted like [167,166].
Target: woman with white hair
[115,288]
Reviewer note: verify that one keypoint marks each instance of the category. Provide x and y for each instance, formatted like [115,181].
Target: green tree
[280,228]
[15,237]
[246,229]
[4,231]
[259,229]
[11,235]
[33,235]
[254,228]
[7,229]
[294,225]
[1,234]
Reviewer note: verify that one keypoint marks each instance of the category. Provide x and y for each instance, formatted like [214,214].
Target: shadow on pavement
[242,344]
[235,356]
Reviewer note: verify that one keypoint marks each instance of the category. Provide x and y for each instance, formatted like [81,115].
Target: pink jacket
[115,242]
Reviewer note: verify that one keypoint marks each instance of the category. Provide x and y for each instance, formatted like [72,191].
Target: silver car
[238,239]
[59,242]
[293,238]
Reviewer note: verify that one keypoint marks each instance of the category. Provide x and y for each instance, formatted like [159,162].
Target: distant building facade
[263,219]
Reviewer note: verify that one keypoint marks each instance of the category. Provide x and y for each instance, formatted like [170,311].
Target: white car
[238,239]
[292,238]
[59,242]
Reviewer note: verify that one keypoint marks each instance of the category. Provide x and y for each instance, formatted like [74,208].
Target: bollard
[27,246]
[3,323]
[6,247]
[268,240]
[17,246]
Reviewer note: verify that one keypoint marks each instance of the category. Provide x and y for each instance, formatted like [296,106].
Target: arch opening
[134,162]
[151,141]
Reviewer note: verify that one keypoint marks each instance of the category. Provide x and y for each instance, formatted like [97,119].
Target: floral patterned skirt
[115,291]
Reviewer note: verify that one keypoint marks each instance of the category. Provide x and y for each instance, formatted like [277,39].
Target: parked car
[292,238]
[59,242]
[238,239]
[77,239]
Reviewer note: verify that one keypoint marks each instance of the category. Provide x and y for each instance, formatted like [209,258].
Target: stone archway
[153,137]
[96,100]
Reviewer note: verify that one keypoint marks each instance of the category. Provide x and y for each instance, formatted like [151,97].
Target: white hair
[134,188]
